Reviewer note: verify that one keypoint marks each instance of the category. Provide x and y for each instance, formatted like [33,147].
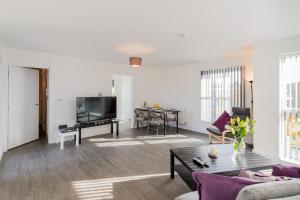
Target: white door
[123,91]
[23,106]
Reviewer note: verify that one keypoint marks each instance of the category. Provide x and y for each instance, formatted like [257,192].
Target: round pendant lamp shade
[135,61]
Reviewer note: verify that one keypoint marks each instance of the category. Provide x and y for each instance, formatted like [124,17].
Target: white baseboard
[196,129]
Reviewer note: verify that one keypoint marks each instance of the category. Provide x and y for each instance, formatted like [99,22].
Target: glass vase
[239,145]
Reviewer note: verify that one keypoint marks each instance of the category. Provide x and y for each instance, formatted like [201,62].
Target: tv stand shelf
[99,123]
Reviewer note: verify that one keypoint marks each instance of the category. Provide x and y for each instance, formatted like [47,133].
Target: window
[221,89]
[290,107]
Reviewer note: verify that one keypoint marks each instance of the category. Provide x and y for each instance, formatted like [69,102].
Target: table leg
[137,123]
[172,163]
[117,129]
[79,130]
[177,122]
[111,127]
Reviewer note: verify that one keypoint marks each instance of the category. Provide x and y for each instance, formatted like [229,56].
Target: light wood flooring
[103,167]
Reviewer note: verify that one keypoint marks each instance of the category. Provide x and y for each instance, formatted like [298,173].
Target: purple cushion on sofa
[222,121]
[216,187]
[286,170]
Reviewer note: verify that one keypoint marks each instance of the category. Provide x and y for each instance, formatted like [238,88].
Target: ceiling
[113,30]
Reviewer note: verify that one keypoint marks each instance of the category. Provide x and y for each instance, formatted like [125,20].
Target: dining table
[164,112]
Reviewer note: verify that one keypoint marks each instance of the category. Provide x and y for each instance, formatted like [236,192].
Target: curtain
[290,106]
[221,89]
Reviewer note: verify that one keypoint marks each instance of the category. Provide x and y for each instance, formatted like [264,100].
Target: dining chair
[155,119]
[214,132]
[141,119]
[171,119]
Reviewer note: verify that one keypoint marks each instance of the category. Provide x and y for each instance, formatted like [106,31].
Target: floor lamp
[250,144]
[251,84]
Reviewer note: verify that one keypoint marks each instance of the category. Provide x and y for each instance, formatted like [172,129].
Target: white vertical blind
[221,89]
[290,107]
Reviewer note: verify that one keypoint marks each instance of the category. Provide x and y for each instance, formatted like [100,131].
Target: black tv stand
[99,123]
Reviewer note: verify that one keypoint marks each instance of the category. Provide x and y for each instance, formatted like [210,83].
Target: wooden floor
[103,167]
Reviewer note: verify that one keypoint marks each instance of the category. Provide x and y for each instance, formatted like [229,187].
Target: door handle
[36,104]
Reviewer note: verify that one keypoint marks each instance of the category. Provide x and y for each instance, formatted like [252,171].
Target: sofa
[282,184]
[278,190]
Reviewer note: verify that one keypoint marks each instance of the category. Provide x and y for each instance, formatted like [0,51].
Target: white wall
[182,87]
[266,92]
[1,105]
[118,93]
[71,77]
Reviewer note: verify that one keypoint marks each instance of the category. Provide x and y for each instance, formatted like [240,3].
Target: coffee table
[227,163]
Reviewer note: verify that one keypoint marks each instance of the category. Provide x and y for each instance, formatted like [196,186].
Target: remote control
[205,164]
[200,162]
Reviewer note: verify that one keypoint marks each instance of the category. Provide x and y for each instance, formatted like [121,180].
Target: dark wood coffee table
[227,163]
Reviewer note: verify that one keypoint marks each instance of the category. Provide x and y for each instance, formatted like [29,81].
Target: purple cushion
[216,187]
[222,121]
[286,170]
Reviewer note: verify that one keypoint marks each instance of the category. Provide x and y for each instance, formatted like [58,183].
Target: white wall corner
[2,131]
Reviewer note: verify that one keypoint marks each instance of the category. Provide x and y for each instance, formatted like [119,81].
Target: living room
[83,46]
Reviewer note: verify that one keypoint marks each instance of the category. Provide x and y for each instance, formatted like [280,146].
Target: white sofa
[188,196]
[278,190]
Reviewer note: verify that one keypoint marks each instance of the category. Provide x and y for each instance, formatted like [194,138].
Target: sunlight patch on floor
[109,139]
[139,140]
[121,143]
[101,189]
[160,136]
[172,141]
[168,139]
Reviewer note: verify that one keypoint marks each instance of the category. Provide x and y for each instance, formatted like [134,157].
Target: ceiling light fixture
[135,61]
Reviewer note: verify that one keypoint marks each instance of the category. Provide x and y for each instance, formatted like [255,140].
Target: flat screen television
[90,109]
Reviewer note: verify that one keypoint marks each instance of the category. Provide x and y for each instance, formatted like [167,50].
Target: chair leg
[223,138]
[168,126]
[141,125]
[220,139]
[148,128]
